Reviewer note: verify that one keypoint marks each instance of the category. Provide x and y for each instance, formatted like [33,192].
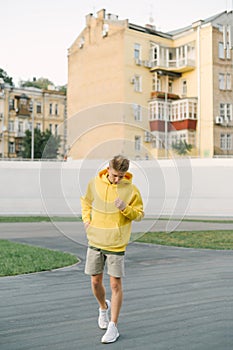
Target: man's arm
[86,206]
[134,210]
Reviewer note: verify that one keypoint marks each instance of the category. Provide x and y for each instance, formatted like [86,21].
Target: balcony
[23,111]
[20,134]
[159,125]
[186,124]
[162,95]
[179,66]
[180,114]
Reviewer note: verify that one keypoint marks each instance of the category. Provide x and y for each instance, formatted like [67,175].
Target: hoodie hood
[103,175]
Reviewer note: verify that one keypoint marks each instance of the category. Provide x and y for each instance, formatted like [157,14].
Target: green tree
[6,77]
[182,147]
[50,145]
[62,88]
[46,145]
[41,83]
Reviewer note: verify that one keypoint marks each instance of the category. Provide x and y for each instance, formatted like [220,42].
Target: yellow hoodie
[110,228]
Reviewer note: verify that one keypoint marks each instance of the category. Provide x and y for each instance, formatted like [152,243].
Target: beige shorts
[96,259]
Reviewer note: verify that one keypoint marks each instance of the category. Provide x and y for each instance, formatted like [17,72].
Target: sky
[35,35]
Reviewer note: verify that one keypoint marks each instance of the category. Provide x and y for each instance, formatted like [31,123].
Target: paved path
[175,299]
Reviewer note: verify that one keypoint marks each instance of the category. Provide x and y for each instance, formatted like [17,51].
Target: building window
[137,83]
[221,81]
[38,107]
[158,141]
[38,126]
[221,50]
[137,51]
[155,55]
[156,83]
[11,147]
[11,125]
[30,126]
[137,109]
[56,129]
[51,128]
[170,84]
[225,142]
[225,111]
[228,81]
[31,106]
[56,109]
[20,127]
[137,143]
[154,80]
[220,27]
[11,104]
[23,102]
[228,51]
[50,108]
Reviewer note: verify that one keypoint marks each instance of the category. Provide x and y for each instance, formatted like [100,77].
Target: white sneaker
[103,319]
[111,335]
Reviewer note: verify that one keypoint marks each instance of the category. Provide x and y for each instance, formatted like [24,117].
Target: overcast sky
[36,34]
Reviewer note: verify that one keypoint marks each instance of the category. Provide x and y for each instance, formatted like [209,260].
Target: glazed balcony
[186,124]
[180,114]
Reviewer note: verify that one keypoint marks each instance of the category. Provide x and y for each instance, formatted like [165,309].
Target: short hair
[119,163]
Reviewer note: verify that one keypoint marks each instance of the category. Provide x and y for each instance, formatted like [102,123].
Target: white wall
[195,187]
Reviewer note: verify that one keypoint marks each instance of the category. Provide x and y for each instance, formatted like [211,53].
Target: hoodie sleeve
[86,204]
[134,210]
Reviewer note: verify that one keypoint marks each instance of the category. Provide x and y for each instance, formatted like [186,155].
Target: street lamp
[32,140]
[2,94]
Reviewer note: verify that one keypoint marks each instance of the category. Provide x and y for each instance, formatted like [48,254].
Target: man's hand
[120,204]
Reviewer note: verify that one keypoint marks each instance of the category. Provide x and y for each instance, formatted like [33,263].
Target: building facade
[24,109]
[136,90]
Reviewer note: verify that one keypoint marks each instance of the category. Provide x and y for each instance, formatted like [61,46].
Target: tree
[182,147]
[50,145]
[6,77]
[46,145]
[62,88]
[41,83]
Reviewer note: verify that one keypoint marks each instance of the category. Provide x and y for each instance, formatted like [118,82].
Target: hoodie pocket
[105,237]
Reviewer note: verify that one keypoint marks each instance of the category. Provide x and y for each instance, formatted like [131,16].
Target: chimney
[101,14]
[89,19]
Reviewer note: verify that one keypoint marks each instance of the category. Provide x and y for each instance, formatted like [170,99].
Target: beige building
[24,109]
[139,91]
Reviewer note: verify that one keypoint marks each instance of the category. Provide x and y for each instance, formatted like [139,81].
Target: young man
[108,208]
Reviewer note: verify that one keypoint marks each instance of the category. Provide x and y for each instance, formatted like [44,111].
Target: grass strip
[218,240]
[214,221]
[9,219]
[12,219]
[17,258]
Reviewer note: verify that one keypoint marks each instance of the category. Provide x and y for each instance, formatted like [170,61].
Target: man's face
[115,176]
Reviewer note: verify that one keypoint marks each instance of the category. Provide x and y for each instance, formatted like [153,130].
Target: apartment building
[28,108]
[136,90]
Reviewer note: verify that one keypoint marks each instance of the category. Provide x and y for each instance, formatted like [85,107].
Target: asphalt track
[174,298]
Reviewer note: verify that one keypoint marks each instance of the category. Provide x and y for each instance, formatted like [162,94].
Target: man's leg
[99,290]
[117,297]
[112,333]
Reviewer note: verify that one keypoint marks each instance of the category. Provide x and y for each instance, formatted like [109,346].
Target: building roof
[149,30]
[168,35]
[205,21]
